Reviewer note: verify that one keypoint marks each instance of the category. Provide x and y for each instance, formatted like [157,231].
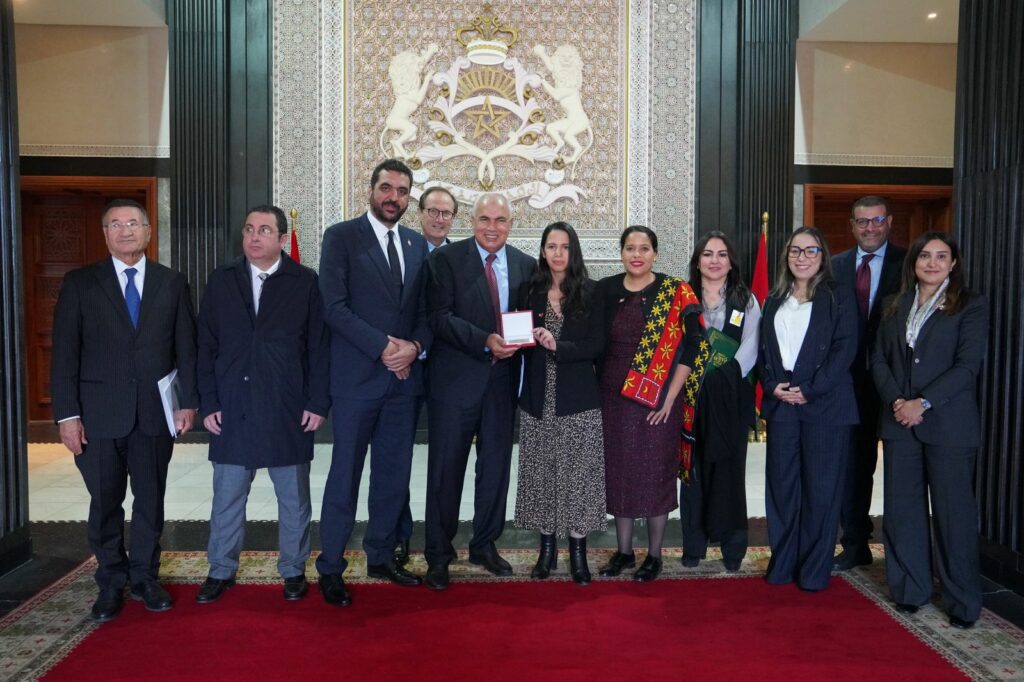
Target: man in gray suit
[119,326]
[263,370]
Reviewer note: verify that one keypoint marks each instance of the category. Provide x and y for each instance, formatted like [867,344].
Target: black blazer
[362,308]
[822,368]
[581,343]
[106,371]
[461,317]
[261,371]
[943,368]
[844,266]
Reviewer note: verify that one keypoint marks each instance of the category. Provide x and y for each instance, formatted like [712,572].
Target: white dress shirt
[875,266]
[381,230]
[791,322]
[257,283]
[122,279]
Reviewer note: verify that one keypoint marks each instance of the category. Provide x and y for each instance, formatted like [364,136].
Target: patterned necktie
[396,265]
[863,285]
[131,296]
[263,282]
[492,284]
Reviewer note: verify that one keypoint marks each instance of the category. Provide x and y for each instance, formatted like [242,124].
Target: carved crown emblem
[493,38]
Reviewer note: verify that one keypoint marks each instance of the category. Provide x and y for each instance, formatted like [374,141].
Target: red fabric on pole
[725,629]
[295,247]
[759,287]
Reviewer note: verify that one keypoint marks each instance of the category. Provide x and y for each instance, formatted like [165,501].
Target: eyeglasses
[131,225]
[263,230]
[444,215]
[808,251]
[878,221]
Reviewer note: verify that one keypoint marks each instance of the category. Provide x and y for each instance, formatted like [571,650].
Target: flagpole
[759,282]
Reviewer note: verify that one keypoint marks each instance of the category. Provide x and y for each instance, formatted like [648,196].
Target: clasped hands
[789,394]
[908,412]
[399,355]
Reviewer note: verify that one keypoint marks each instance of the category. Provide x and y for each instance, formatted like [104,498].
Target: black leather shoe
[437,577]
[492,562]
[401,554]
[107,605]
[650,570]
[851,557]
[909,609]
[690,561]
[617,563]
[393,573]
[960,623]
[153,596]
[578,567]
[332,587]
[212,590]
[731,565]
[295,587]
[547,560]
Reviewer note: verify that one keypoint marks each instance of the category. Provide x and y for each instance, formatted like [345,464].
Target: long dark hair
[784,277]
[573,287]
[737,293]
[956,292]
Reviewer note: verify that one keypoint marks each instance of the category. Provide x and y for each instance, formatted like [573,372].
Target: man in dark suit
[437,210]
[120,325]
[873,271]
[263,375]
[372,274]
[474,378]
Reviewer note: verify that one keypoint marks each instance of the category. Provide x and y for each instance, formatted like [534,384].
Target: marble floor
[57,493]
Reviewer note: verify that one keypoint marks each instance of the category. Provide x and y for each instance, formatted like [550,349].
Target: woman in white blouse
[712,498]
[808,341]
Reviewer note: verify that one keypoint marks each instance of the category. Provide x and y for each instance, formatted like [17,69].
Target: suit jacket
[262,370]
[943,368]
[580,344]
[844,266]
[362,309]
[822,367]
[106,371]
[462,317]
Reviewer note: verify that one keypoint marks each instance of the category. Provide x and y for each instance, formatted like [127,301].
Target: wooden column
[15,544]
[988,199]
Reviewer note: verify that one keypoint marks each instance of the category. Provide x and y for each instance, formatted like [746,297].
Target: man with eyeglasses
[872,269]
[372,275]
[119,326]
[437,211]
[263,372]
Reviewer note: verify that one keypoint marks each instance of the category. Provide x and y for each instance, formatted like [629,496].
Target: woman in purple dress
[655,340]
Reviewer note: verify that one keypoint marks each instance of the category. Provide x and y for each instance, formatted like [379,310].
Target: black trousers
[695,526]
[855,512]
[107,466]
[452,429]
[915,472]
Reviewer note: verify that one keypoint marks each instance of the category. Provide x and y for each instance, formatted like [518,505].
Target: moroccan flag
[295,245]
[759,287]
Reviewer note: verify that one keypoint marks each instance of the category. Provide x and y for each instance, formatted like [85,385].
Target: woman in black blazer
[561,451]
[808,340]
[926,361]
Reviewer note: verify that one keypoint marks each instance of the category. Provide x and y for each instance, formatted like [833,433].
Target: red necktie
[492,284]
[863,285]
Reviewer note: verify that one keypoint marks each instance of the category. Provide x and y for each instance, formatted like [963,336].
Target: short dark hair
[393,165]
[282,221]
[868,201]
[642,229]
[438,188]
[125,203]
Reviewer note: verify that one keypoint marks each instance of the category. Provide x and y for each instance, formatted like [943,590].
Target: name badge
[736,319]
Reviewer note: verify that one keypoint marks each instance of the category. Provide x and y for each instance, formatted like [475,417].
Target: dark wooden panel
[989,223]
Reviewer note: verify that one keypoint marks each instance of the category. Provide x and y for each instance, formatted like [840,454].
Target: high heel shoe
[650,570]
[578,561]
[548,558]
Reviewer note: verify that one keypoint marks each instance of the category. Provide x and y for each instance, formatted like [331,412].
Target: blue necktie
[131,297]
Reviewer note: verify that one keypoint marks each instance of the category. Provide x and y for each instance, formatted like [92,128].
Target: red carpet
[727,629]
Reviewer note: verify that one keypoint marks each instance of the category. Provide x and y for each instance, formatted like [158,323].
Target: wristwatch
[925,404]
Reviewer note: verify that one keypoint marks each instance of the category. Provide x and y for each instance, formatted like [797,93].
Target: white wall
[877,104]
[83,87]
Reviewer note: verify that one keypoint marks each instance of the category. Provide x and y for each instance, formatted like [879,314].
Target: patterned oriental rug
[691,624]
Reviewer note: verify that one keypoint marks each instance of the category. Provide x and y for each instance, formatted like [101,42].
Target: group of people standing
[632,383]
